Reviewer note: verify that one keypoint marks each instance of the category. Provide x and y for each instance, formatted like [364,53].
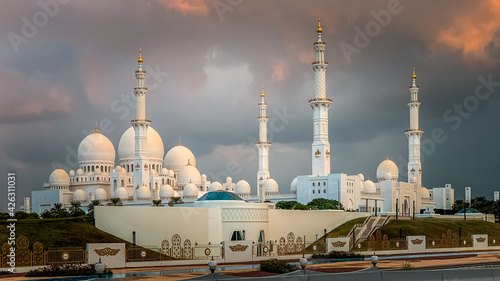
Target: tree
[20,215]
[115,201]
[481,204]
[92,204]
[174,201]
[156,203]
[75,206]
[459,205]
[324,204]
[57,207]
[290,205]
[63,213]
[47,214]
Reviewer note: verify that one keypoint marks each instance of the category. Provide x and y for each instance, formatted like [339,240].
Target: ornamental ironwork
[187,249]
[238,248]
[338,244]
[22,251]
[300,244]
[164,247]
[290,245]
[38,254]
[176,246]
[282,246]
[107,251]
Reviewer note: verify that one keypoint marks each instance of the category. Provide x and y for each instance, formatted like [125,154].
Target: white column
[414,134]
[262,146]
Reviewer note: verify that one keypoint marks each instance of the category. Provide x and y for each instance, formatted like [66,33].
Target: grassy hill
[344,229]
[434,228]
[64,232]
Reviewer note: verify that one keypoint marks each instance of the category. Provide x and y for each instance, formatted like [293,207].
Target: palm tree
[156,203]
[115,201]
[75,206]
[175,200]
[57,207]
[92,204]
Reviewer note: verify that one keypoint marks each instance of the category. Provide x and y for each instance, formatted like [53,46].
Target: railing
[66,255]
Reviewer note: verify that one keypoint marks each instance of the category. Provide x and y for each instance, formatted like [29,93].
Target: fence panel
[66,255]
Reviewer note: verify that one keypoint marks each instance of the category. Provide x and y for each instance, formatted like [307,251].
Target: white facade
[496,196]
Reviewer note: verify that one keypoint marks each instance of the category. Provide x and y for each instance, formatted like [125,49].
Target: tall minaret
[140,124]
[263,146]
[414,134]
[320,105]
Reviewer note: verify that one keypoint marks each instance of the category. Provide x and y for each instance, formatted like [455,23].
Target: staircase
[361,232]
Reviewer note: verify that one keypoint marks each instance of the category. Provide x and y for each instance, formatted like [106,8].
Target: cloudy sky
[65,65]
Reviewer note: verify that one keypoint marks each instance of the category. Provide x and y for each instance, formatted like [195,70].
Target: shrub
[277,266]
[66,270]
[407,266]
[338,255]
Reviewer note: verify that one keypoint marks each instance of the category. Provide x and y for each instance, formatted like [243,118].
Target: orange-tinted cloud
[194,7]
[474,31]
[280,71]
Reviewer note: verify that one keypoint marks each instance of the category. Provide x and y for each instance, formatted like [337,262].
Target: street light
[212,265]
[303,263]
[374,260]
[99,268]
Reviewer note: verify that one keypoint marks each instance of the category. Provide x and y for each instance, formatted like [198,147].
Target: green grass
[344,229]
[66,232]
[433,228]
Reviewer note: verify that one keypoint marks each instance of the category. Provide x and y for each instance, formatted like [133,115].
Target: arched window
[122,183]
[313,183]
[314,191]
[324,183]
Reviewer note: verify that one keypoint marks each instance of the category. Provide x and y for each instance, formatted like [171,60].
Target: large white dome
[121,193]
[293,185]
[242,187]
[271,186]
[126,146]
[79,195]
[96,148]
[215,186]
[59,177]
[101,194]
[370,187]
[177,158]
[424,193]
[166,191]
[188,174]
[387,169]
[143,193]
[190,190]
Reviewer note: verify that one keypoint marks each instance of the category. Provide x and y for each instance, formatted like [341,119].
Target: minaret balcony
[319,43]
[141,120]
[319,62]
[414,130]
[319,100]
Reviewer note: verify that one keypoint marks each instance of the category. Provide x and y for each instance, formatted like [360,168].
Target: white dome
[153,173]
[177,158]
[176,194]
[293,185]
[79,195]
[229,180]
[59,177]
[97,171]
[271,186]
[101,194]
[96,148]
[166,191]
[361,177]
[126,146]
[361,186]
[171,173]
[370,187]
[414,180]
[242,187]
[121,193]
[203,177]
[387,170]
[215,186]
[190,190]
[188,174]
[79,172]
[143,193]
[71,173]
[424,193]
[164,171]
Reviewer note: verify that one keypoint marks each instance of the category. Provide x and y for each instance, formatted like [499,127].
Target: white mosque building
[144,173]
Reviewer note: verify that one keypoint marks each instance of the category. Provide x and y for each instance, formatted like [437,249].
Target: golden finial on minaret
[262,93]
[96,127]
[414,76]
[387,157]
[319,30]
[179,141]
[59,166]
[189,162]
[140,56]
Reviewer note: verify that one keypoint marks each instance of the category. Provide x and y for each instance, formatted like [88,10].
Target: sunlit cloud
[193,7]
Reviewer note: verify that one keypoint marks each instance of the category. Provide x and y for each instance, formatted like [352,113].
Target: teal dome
[220,195]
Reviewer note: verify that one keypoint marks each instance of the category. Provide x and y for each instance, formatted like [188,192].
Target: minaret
[320,105]
[414,134]
[263,146]
[140,124]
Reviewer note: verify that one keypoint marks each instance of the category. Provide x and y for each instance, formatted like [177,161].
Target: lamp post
[303,263]
[99,268]
[212,264]
[374,260]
